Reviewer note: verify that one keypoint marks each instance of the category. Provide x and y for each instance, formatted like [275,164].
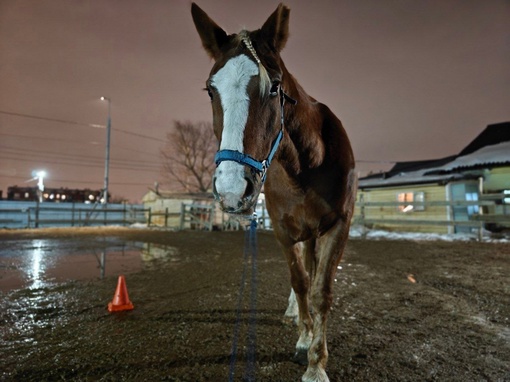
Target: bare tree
[188,156]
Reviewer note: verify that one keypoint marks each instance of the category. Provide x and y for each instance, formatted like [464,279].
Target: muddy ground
[404,311]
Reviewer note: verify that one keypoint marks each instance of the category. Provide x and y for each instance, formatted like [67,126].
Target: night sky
[410,80]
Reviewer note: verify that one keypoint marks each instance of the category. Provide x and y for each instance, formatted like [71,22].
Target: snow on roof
[498,154]
[488,155]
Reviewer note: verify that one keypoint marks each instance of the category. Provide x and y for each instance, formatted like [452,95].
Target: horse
[272,134]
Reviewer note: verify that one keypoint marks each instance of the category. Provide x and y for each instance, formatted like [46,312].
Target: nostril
[250,188]
[214,190]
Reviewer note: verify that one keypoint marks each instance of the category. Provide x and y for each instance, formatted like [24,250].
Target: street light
[39,175]
[107,158]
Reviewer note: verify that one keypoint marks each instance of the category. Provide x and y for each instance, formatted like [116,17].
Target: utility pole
[107,157]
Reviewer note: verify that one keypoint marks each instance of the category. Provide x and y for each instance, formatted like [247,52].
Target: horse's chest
[302,215]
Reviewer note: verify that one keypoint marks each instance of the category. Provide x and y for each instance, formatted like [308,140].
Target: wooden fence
[485,216]
[206,217]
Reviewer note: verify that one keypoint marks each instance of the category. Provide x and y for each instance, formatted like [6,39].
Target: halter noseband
[242,158]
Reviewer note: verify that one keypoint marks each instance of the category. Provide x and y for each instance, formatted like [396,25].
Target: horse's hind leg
[330,250]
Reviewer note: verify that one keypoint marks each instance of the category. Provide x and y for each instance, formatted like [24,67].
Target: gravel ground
[404,311]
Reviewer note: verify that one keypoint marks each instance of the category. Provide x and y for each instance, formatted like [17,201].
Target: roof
[492,135]
[489,156]
[490,149]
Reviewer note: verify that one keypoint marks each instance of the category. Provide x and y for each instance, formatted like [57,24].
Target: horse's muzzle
[236,200]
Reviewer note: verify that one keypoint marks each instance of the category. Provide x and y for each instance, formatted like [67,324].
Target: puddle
[40,263]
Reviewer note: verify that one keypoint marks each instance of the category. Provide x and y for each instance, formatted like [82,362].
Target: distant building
[480,171]
[195,210]
[54,195]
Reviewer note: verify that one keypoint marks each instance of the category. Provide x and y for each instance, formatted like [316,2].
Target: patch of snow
[357,232]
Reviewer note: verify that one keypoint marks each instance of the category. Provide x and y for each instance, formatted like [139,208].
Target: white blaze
[231,82]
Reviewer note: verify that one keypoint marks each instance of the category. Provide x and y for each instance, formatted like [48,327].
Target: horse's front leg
[330,250]
[292,313]
[300,281]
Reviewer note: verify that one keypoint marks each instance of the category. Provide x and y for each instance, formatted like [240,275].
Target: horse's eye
[210,93]
[274,89]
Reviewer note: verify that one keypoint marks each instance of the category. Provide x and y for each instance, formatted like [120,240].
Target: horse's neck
[304,147]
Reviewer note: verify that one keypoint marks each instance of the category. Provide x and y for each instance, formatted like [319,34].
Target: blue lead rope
[250,253]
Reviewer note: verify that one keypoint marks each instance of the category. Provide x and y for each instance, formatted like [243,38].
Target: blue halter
[260,166]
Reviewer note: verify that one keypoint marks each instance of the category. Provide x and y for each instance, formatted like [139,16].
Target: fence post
[166,217]
[37,214]
[183,212]
[149,219]
[211,217]
[72,215]
[362,216]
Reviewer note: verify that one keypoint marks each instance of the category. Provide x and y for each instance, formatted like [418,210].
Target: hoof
[315,374]
[301,357]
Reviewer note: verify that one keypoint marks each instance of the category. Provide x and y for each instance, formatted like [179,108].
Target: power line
[79,181]
[117,167]
[131,133]
[54,139]
[67,122]
[73,157]
[375,161]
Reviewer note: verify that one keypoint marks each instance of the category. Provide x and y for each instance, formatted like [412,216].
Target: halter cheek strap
[242,158]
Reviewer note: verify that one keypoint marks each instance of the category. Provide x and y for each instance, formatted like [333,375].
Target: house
[454,194]
[166,208]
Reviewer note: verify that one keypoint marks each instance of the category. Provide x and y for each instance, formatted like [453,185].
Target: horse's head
[247,102]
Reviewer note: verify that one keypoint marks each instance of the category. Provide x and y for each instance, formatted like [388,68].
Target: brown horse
[261,113]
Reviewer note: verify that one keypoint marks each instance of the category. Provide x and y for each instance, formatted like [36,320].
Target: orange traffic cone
[120,298]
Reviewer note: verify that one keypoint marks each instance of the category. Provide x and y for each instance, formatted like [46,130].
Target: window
[506,199]
[411,197]
[473,209]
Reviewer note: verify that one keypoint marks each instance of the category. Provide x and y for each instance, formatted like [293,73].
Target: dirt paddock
[403,311]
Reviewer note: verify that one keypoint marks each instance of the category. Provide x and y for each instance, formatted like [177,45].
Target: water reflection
[31,269]
[39,263]
[154,254]
[37,268]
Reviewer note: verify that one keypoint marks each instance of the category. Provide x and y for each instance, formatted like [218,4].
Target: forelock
[264,79]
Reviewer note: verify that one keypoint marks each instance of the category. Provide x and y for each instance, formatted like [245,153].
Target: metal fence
[15,214]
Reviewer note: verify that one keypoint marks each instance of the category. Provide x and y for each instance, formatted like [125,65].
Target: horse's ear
[212,36]
[276,28]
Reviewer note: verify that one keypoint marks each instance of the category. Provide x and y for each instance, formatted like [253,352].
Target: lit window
[411,198]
